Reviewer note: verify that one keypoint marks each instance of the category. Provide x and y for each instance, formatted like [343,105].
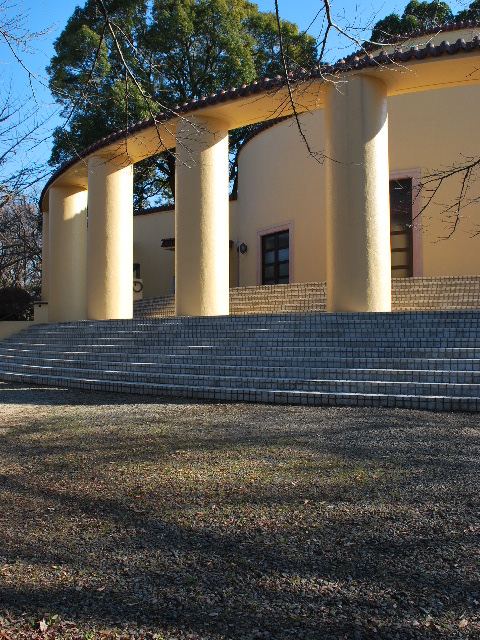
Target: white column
[110,240]
[358,209]
[67,254]
[45,254]
[201,218]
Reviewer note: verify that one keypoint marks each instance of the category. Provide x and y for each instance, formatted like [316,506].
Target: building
[380,128]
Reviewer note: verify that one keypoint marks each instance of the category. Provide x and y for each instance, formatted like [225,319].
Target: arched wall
[282,187]
[157,265]
[280,183]
[433,131]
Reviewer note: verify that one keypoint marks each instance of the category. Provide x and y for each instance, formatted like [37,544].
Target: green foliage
[417,15]
[472,13]
[299,49]
[199,46]
[392,24]
[428,14]
[177,50]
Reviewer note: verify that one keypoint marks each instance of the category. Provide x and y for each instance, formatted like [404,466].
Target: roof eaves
[355,62]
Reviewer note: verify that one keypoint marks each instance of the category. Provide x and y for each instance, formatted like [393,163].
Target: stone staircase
[440,293]
[280,298]
[408,294]
[428,360]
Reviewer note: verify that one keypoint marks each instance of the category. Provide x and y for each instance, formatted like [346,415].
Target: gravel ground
[126,517]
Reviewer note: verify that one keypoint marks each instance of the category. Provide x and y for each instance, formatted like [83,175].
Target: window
[401,237]
[406,223]
[276,258]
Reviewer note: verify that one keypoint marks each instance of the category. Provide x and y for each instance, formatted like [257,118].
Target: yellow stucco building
[362,210]
[282,195]
[364,207]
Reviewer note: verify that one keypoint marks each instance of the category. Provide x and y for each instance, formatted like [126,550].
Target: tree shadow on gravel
[341,577]
[17,393]
[242,522]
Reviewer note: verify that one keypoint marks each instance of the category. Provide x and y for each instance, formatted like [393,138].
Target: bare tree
[20,245]
[22,129]
[465,174]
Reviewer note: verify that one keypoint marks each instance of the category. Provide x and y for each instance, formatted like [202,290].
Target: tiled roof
[420,33]
[355,62]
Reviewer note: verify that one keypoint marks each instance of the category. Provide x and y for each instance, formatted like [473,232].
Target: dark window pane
[270,272]
[401,199]
[268,243]
[283,240]
[275,258]
[401,242]
[283,269]
[269,257]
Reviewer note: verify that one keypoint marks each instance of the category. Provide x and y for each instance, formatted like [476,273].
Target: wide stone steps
[438,376]
[269,352]
[438,371]
[461,340]
[431,403]
[250,347]
[326,385]
[146,332]
[246,364]
[408,294]
[420,360]
[414,322]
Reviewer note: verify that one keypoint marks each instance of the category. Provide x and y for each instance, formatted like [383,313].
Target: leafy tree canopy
[176,50]
[472,13]
[417,15]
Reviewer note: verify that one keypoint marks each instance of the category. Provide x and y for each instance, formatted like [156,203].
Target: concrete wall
[434,131]
[8,329]
[279,184]
[157,265]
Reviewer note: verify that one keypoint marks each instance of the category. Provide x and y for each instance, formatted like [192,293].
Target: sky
[51,16]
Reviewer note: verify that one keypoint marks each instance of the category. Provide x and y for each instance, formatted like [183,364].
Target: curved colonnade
[87,259]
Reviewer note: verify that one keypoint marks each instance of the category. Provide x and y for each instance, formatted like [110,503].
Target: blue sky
[52,15]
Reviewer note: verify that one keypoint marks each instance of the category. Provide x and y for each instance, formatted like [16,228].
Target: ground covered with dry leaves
[126,517]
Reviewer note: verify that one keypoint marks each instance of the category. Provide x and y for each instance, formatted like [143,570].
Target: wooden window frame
[415,176]
[287,226]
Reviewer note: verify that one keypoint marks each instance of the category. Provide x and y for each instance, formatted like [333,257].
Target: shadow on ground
[235,521]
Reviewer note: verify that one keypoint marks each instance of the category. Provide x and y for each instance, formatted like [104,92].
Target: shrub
[15,304]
